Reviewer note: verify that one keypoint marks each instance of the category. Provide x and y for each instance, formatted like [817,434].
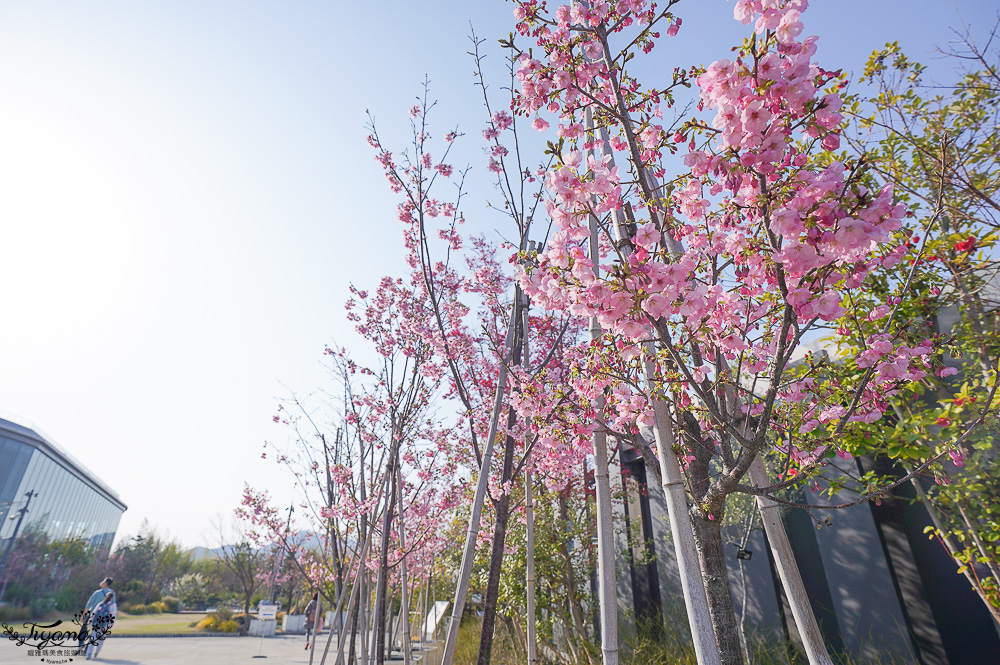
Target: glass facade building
[69,501]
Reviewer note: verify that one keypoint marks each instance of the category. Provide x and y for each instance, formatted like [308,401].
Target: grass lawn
[130,624]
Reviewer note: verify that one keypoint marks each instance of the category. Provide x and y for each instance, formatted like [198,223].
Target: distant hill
[202,553]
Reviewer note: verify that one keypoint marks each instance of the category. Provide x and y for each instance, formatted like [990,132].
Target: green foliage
[67,600]
[171,604]
[209,623]
[647,646]
[10,613]
[63,572]
[222,614]
[229,626]
[145,565]
[939,146]
[221,620]
[506,650]
[42,606]
[196,589]
[18,594]
[157,607]
[564,557]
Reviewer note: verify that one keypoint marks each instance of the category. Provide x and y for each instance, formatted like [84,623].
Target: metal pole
[608,587]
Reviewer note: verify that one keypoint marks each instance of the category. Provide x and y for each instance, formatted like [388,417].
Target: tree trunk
[695,601]
[365,600]
[378,650]
[530,639]
[246,613]
[574,652]
[672,482]
[353,621]
[359,558]
[569,580]
[708,539]
[502,507]
[469,551]
[404,602]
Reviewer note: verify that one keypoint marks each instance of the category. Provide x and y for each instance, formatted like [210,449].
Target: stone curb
[116,635]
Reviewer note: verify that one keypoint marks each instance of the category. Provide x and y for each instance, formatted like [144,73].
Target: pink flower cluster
[755,245]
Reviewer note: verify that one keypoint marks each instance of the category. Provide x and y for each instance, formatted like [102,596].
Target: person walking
[312,609]
[100,615]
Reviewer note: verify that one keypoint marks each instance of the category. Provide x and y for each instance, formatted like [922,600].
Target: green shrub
[173,605]
[41,606]
[18,594]
[157,608]
[138,609]
[15,613]
[208,623]
[229,626]
[67,600]
[222,614]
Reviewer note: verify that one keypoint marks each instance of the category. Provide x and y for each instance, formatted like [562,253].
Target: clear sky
[186,192]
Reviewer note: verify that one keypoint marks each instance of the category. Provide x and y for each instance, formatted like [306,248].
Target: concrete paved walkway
[279,650]
[283,650]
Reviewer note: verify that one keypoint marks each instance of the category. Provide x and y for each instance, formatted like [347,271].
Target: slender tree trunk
[469,551]
[685,550]
[530,639]
[331,532]
[708,539]
[366,593]
[672,482]
[353,623]
[390,622]
[378,651]
[706,517]
[569,581]
[574,650]
[338,582]
[359,557]
[342,636]
[404,604]
[608,578]
[569,574]
[502,508]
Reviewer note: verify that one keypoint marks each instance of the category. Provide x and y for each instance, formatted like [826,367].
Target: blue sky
[186,192]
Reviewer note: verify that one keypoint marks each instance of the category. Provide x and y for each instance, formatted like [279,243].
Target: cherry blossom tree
[720,275]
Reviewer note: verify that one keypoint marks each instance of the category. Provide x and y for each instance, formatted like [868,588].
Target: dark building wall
[871,620]
[878,585]
[947,621]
